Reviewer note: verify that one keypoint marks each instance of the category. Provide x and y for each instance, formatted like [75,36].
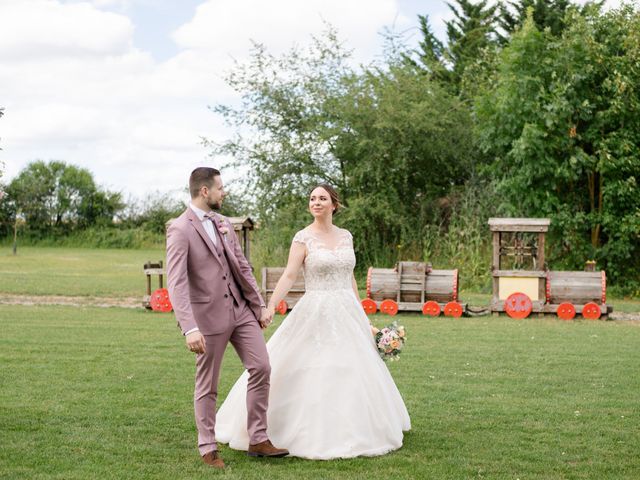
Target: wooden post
[399,281]
[495,266]
[496,250]
[540,257]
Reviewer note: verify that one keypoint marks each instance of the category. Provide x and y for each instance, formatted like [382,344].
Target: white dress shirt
[206,223]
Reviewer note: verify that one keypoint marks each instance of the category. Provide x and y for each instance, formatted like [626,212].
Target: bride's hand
[374,330]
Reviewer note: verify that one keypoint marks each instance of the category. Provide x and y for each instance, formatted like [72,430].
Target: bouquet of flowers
[390,341]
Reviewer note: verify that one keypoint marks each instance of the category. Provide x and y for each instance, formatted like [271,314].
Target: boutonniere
[223,228]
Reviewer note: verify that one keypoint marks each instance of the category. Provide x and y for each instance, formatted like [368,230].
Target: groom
[216,301]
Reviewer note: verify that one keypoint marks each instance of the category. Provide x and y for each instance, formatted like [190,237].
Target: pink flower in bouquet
[390,341]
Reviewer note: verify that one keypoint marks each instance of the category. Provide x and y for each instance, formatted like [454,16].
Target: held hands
[195,342]
[267,317]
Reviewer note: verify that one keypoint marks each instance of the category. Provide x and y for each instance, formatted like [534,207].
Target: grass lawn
[76,271]
[91,393]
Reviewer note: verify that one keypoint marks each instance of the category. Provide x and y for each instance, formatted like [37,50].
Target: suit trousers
[245,335]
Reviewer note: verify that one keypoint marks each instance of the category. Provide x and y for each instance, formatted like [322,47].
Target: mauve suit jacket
[194,275]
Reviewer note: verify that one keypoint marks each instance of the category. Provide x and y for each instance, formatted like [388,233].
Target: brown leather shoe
[266,449]
[213,459]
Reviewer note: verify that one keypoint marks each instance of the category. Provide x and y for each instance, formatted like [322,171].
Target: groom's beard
[214,205]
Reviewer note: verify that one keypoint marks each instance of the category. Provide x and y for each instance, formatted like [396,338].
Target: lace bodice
[327,268]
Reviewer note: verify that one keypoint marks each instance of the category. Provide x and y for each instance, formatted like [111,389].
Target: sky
[122,87]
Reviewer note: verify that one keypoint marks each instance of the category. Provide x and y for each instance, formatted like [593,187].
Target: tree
[545,13]
[288,121]
[389,138]
[55,198]
[430,52]
[471,31]
[563,124]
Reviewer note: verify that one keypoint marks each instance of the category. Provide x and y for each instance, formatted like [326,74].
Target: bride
[331,394]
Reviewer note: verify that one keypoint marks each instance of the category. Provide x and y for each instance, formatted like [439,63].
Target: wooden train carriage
[270,277]
[412,286]
[571,293]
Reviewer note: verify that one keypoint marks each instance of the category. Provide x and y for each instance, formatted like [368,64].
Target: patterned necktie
[212,216]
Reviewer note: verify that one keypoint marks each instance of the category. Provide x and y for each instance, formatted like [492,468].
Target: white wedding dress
[331,394]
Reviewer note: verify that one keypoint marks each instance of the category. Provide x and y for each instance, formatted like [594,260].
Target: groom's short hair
[201,176]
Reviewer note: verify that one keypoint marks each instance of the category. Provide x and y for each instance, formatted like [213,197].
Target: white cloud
[229,26]
[33,29]
[76,89]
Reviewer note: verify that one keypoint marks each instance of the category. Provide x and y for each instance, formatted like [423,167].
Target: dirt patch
[136,302]
[635,317]
[105,302]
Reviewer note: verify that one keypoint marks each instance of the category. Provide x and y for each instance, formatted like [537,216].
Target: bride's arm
[354,284]
[296,259]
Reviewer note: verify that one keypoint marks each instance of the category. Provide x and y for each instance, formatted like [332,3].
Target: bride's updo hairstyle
[335,200]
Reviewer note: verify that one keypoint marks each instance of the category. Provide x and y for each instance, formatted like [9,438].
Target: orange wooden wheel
[591,311]
[453,309]
[566,311]
[369,306]
[282,307]
[160,300]
[518,305]
[431,308]
[390,307]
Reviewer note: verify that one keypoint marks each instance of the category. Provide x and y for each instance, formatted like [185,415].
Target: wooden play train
[416,287]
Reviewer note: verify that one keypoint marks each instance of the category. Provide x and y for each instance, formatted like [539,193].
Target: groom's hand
[266,318]
[195,342]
